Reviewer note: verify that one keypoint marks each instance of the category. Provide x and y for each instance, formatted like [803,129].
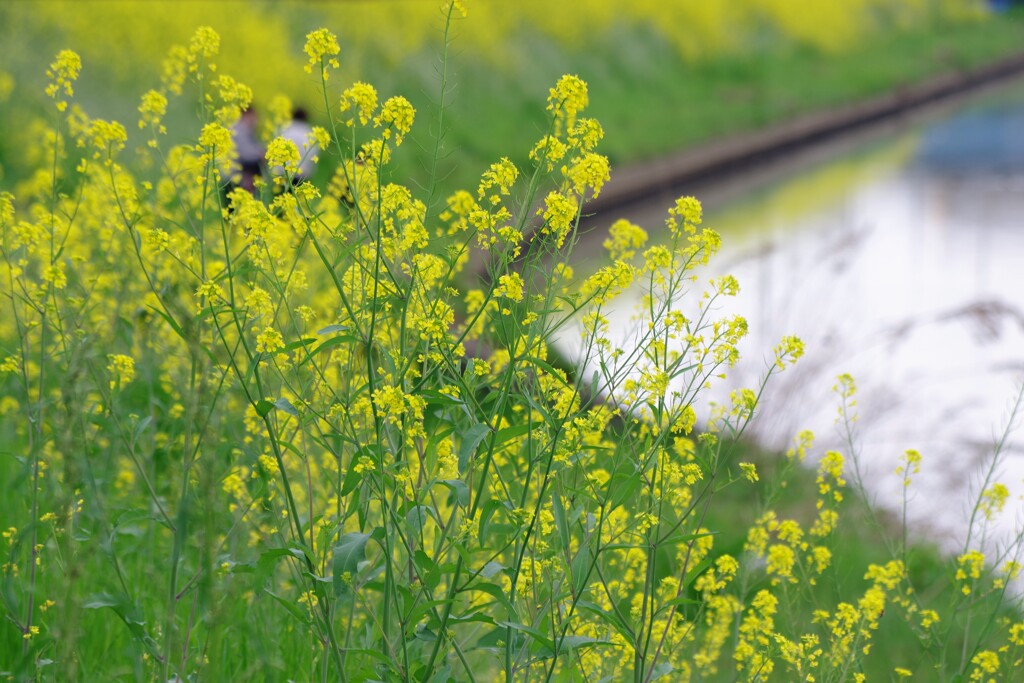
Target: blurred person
[249,149]
[300,132]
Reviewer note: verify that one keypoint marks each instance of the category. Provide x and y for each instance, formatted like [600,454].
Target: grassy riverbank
[863,538]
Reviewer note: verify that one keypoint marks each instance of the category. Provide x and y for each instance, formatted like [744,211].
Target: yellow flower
[283,154]
[686,214]
[62,73]
[269,341]
[911,465]
[559,215]
[590,171]
[55,276]
[205,42]
[361,98]
[969,566]
[781,561]
[456,6]
[396,114]
[691,472]
[985,663]
[501,175]
[321,43]
[447,461]
[215,141]
[993,499]
[749,470]
[269,464]
[309,599]
[567,99]
[586,134]
[510,286]
[121,369]
[364,464]
[153,108]
[822,556]
[802,443]
[788,351]
[548,151]
[107,137]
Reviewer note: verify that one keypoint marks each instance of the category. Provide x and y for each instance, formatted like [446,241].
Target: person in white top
[300,132]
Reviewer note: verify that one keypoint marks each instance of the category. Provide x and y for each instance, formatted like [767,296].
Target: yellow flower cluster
[121,369]
[360,99]
[396,115]
[322,49]
[62,73]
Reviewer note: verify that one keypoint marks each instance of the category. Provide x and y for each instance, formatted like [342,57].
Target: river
[898,257]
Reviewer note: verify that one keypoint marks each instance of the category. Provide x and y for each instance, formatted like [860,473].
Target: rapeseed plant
[295,411]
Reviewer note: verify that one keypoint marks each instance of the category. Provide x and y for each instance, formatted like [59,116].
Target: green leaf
[285,405]
[350,551]
[459,488]
[580,568]
[331,329]
[433,397]
[141,426]
[546,367]
[425,634]
[681,600]
[291,346]
[263,407]
[623,487]
[123,606]
[490,569]
[352,479]
[475,617]
[428,608]
[374,654]
[418,516]
[485,516]
[576,642]
[427,569]
[268,560]
[570,643]
[537,635]
[443,675]
[696,571]
[508,433]
[292,608]
[170,321]
[498,594]
[559,513]
[608,617]
[101,600]
[470,442]
[328,344]
[661,669]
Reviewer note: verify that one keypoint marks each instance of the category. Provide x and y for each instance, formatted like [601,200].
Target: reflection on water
[985,140]
[905,268]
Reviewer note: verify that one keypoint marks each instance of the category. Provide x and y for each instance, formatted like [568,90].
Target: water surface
[901,262]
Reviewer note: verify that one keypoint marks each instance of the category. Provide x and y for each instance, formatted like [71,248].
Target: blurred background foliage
[663,75]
